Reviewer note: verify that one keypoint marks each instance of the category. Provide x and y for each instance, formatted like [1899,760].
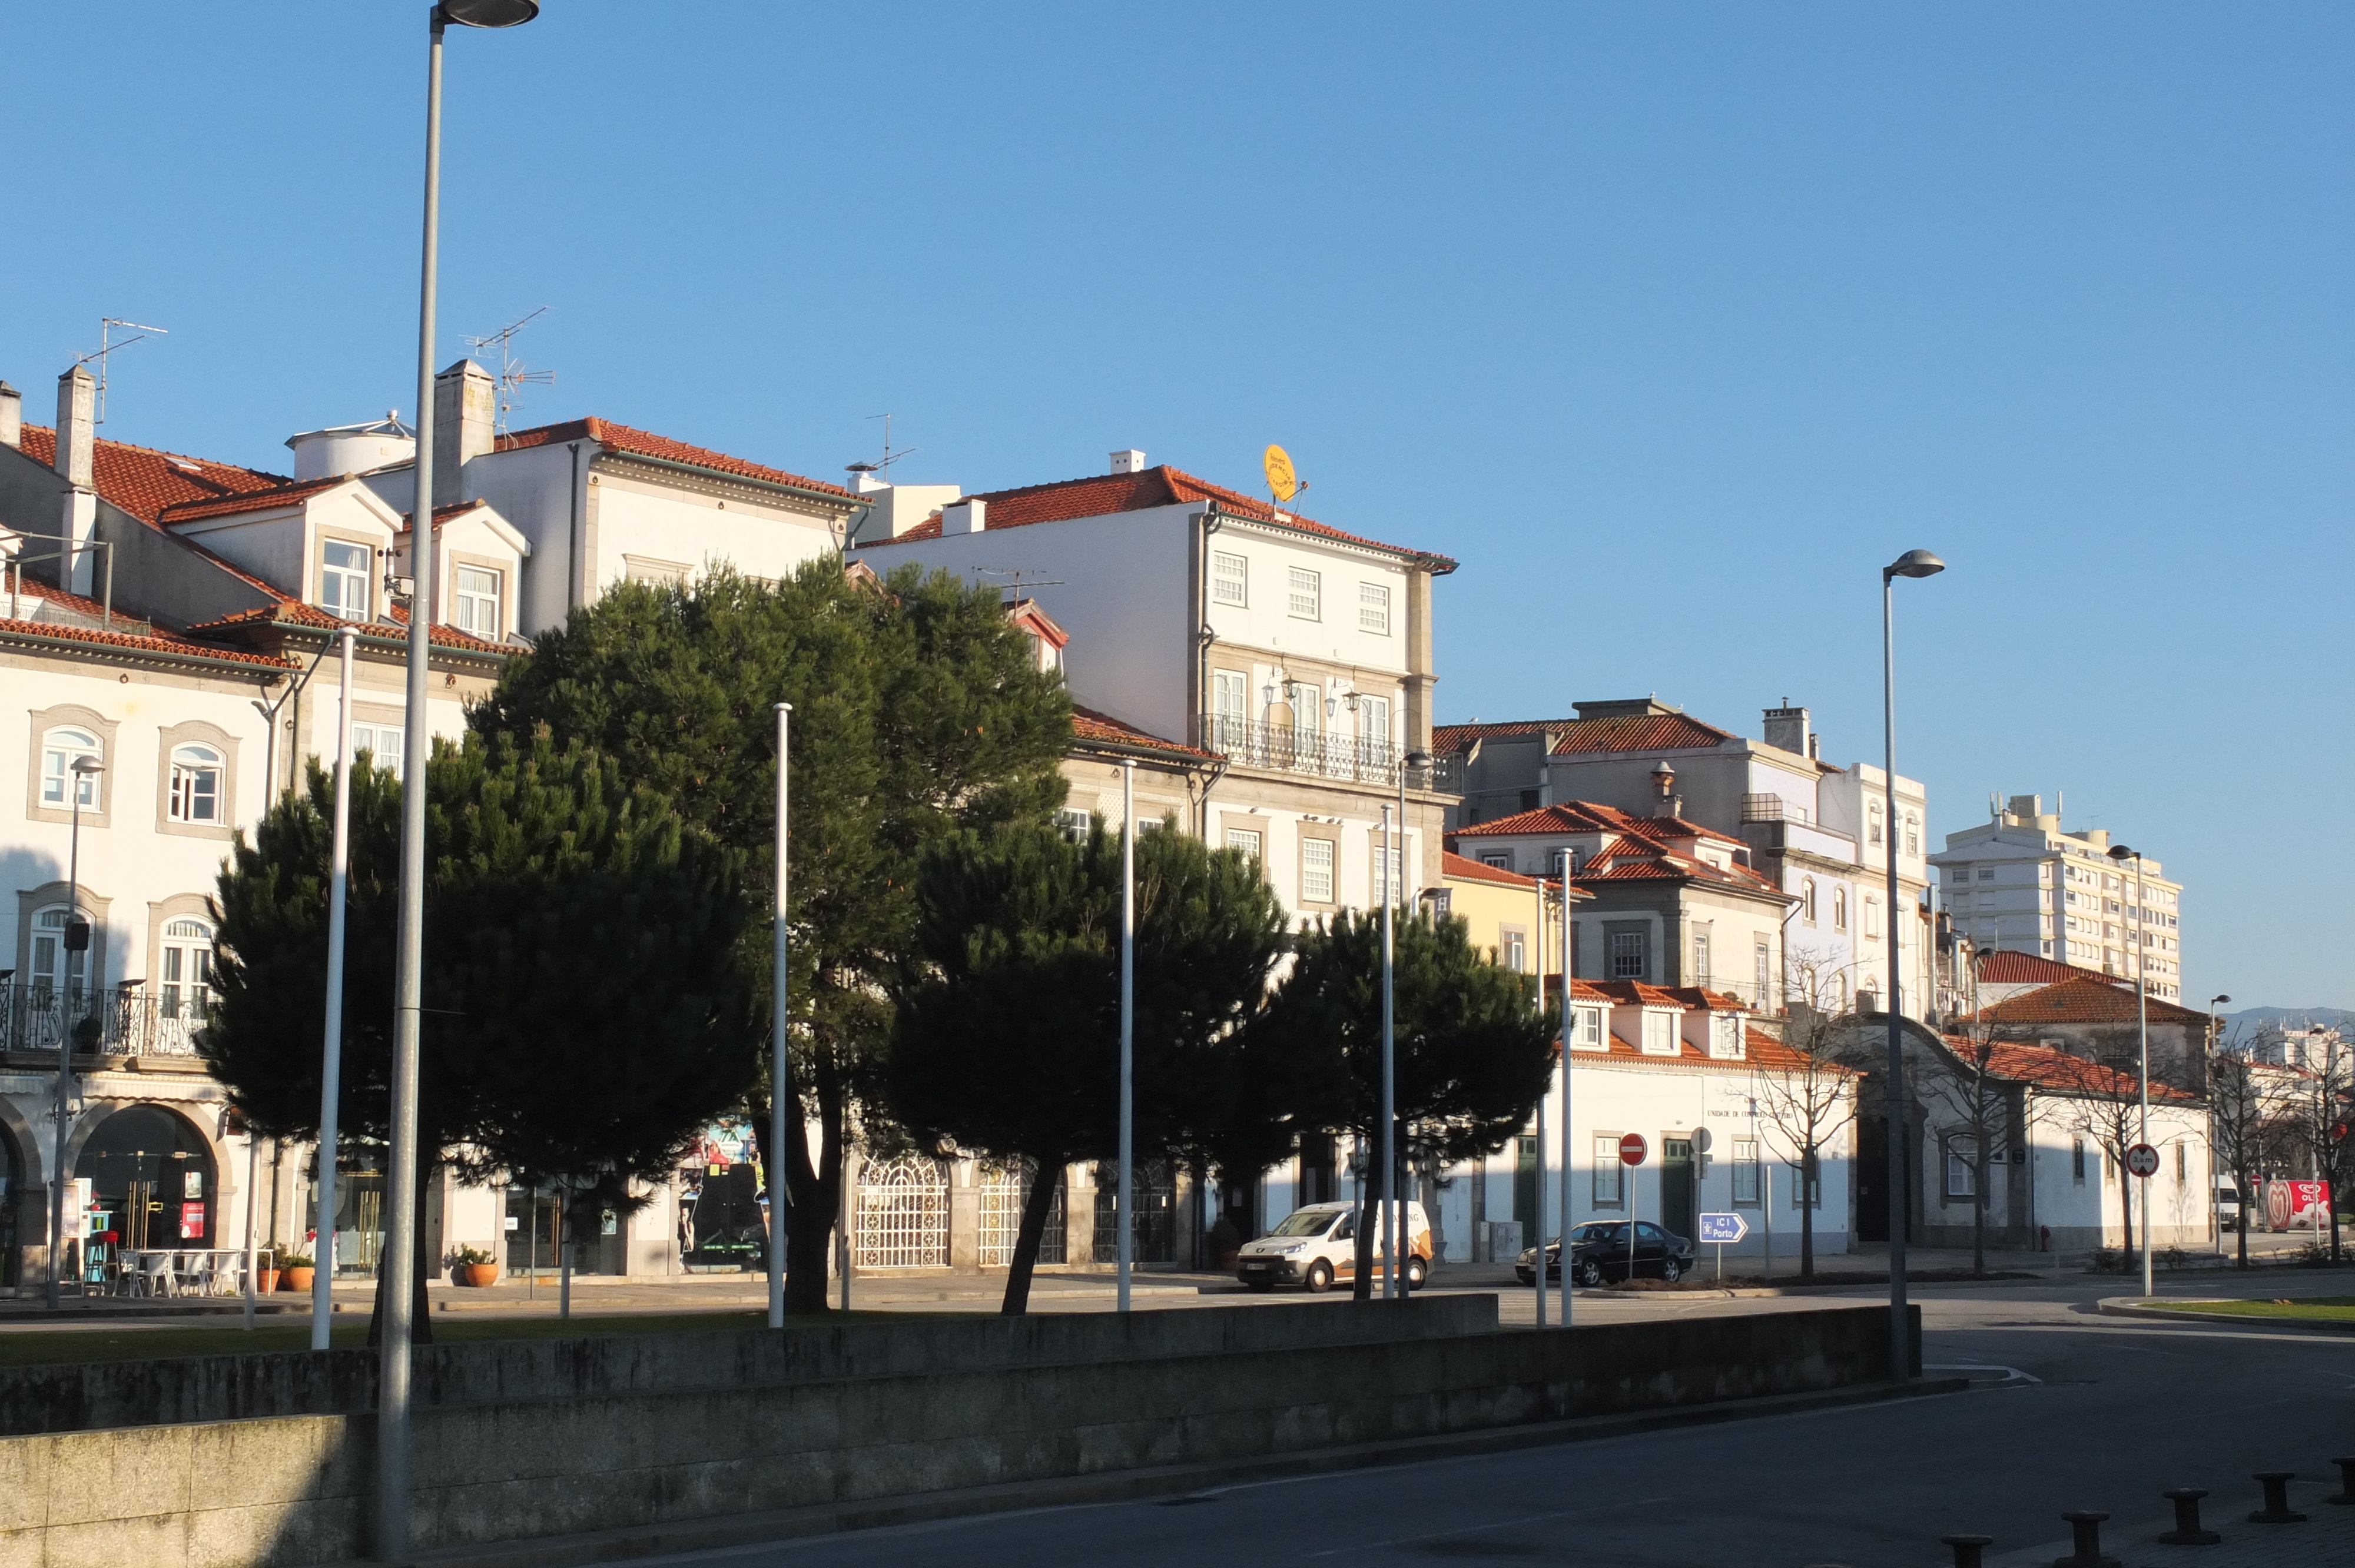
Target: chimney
[77,425]
[1786,729]
[465,409]
[1128,462]
[1671,804]
[12,416]
[968,516]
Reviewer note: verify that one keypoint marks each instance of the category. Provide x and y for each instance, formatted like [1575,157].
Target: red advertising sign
[2289,1204]
[1632,1149]
[192,1221]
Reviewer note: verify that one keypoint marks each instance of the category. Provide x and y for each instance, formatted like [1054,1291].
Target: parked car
[1318,1247]
[1598,1254]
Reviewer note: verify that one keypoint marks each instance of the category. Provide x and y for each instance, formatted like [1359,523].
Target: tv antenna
[512,377]
[890,456]
[106,345]
[1016,580]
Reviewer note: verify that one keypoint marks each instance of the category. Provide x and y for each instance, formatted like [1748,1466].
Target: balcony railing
[1325,754]
[119,1020]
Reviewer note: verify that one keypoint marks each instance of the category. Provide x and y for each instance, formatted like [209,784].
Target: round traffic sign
[1632,1149]
[2143,1159]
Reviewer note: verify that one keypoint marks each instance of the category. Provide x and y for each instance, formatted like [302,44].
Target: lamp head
[1665,776]
[2217,1001]
[1913,564]
[1418,760]
[488,13]
[87,765]
[2121,854]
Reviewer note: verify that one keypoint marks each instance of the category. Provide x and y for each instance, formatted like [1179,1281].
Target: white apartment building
[1298,654]
[1814,832]
[2018,883]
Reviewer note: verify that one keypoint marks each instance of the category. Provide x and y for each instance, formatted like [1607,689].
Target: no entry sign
[2143,1160]
[1632,1149]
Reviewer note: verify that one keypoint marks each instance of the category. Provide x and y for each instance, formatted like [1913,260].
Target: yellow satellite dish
[1280,477]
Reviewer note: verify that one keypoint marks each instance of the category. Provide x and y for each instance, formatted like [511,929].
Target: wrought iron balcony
[116,1021]
[1322,753]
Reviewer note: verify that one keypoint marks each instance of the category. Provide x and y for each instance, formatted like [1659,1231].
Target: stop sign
[2143,1159]
[1632,1149]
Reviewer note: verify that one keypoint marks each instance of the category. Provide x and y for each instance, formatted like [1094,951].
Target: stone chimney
[1128,460]
[465,414]
[12,416]
[1786,729]
[77,425]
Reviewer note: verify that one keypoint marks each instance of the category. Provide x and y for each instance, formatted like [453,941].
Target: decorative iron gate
[903,1215]
[1004,1188]
[1153,1219]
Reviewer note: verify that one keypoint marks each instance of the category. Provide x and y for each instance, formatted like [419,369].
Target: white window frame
[187,968]
[1589,1030]
[469,601]
[1962,1179]
[1515,946]
[1725,1043]
[1374,608]
[1746,1173]
[1374,724]
[60,747]
[346,590]
[1247,839]
[1316,868]
[1610,1176]
[197,775]
[1659,1032]
[1303,593]
[384,743]
[1230,580]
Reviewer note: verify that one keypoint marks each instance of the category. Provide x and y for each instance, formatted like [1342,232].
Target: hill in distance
[2251,1017]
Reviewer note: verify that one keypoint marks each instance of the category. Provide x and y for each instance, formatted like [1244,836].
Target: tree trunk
[1807,1215]
[1362,1274]
[2241,1219]
[1036,1206]
[421,1312]
[1978,1210]
[2126,1201]
[811,1190]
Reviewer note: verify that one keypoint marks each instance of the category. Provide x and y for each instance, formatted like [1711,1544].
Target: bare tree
[2242,1108]
[1808,1092]
[2102,1099]
[2317,1109]
[1978,1097]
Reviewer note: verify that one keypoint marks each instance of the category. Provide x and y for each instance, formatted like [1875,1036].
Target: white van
[1317,1246]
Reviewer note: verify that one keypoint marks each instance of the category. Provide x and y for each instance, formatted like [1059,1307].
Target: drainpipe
[1203,637]
[576,591]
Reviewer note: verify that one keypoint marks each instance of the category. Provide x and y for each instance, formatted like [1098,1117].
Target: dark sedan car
[1598,1254]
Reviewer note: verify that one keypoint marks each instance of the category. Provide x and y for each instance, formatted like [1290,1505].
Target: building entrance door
[1677,1186]
[1525,1191]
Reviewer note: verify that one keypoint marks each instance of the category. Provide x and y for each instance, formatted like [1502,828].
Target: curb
[2131,1307]
[1129,1486]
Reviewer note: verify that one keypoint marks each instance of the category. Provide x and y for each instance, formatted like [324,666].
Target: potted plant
[472,1266]
[294,1272]
[265,1270]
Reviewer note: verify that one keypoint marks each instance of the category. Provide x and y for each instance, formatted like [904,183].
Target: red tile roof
[143,482]
[1467,870]
[2046,1068]
[1591,817]
[1087,726]
[250,501]
[1104,494]
[1639,731]
[2090,999]
[2002,967]
[289,612]
[1759,1050]
[145,640]
[1639,849]
[1446,739]
[646,444]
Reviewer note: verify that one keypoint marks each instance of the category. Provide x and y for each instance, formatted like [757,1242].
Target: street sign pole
[1632,1150]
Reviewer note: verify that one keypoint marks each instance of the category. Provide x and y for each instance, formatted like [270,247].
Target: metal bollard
[2187,1531]
[2346,1481]
[1966,1548]
[2087,1525]
[2276,1509]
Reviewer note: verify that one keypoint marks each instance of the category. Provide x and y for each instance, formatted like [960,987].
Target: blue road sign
[1723,1228]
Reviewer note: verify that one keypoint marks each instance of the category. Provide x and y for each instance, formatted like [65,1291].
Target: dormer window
[480,595]
[1589,1030]
[344,582]
[1725,1036]
[1660,1033]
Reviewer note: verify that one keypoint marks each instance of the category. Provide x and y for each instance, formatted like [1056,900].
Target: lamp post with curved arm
[79,775]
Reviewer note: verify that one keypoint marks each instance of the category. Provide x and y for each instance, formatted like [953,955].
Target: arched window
[187,969]
[56,972]
[1839,908]
[195,784]
[59,748]
[1807,900]
[1872,822]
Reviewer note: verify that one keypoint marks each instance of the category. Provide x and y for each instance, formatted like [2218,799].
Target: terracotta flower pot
[265,1280]
[476,1274]
[297,1280]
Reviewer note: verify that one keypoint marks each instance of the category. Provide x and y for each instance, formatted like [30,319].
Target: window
[1230,704]
[1374,727]
[1590,1029]
[1627,955]
[1872,917]
[1073,823]
[1374,608]
[1517,951]
[1317,871]
[1244,839]
[1700,958]
[1839,908]
[1745,1172]
[1660,1033]
[382,742]
[1763,960]
[1962,1157]
[1304,593]
[195,784]
[1725,1037]
[59,750]
[1229,579]
[1807,900]
[56,972]
[1390,874]
[344,582]
[1912,833]
[187,969]
[1307,702]
[1813,1172]
[1872,819]
[1501,862]
[1987,874]
[1607,1170]
[2182,1164]
[646,569]
[478,602]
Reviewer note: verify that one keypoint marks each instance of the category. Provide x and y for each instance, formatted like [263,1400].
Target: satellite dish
[1280,477]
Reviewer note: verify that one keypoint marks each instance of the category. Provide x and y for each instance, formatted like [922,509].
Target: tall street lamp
[780,949]
[81,775]
[2121,854]
[2240,1198]
[331,1048]
[1393,873]
[400,1248]
[1125,1206]
[1911,563]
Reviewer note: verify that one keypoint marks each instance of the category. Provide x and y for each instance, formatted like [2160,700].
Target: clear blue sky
[1673,323]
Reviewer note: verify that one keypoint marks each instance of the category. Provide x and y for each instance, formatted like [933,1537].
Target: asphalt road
[2103,1412]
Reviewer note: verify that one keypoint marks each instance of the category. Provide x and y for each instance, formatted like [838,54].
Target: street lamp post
[400,1242]
[1394,873]
[2121,854]
[1911,563]
[331,1066]
[779,1098]
[78,777]
[2240,1198]
[1124,1208]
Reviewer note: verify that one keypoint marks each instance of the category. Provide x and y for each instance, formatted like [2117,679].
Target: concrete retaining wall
[285,1492]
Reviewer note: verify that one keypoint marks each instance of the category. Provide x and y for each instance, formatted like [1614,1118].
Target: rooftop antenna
[106,345]
[512,377]
[1283,481]
[891,455]
[1017,579]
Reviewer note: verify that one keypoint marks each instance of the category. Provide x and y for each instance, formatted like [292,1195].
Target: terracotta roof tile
[2046,1068]
[1639,731]
[289,611]
[1087,724]
[1467,870]
[1759,1050]
[1449,738]
[2089,999]
[2002,967]
[250,501]
[143,482]
[645,444]
[148,641]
